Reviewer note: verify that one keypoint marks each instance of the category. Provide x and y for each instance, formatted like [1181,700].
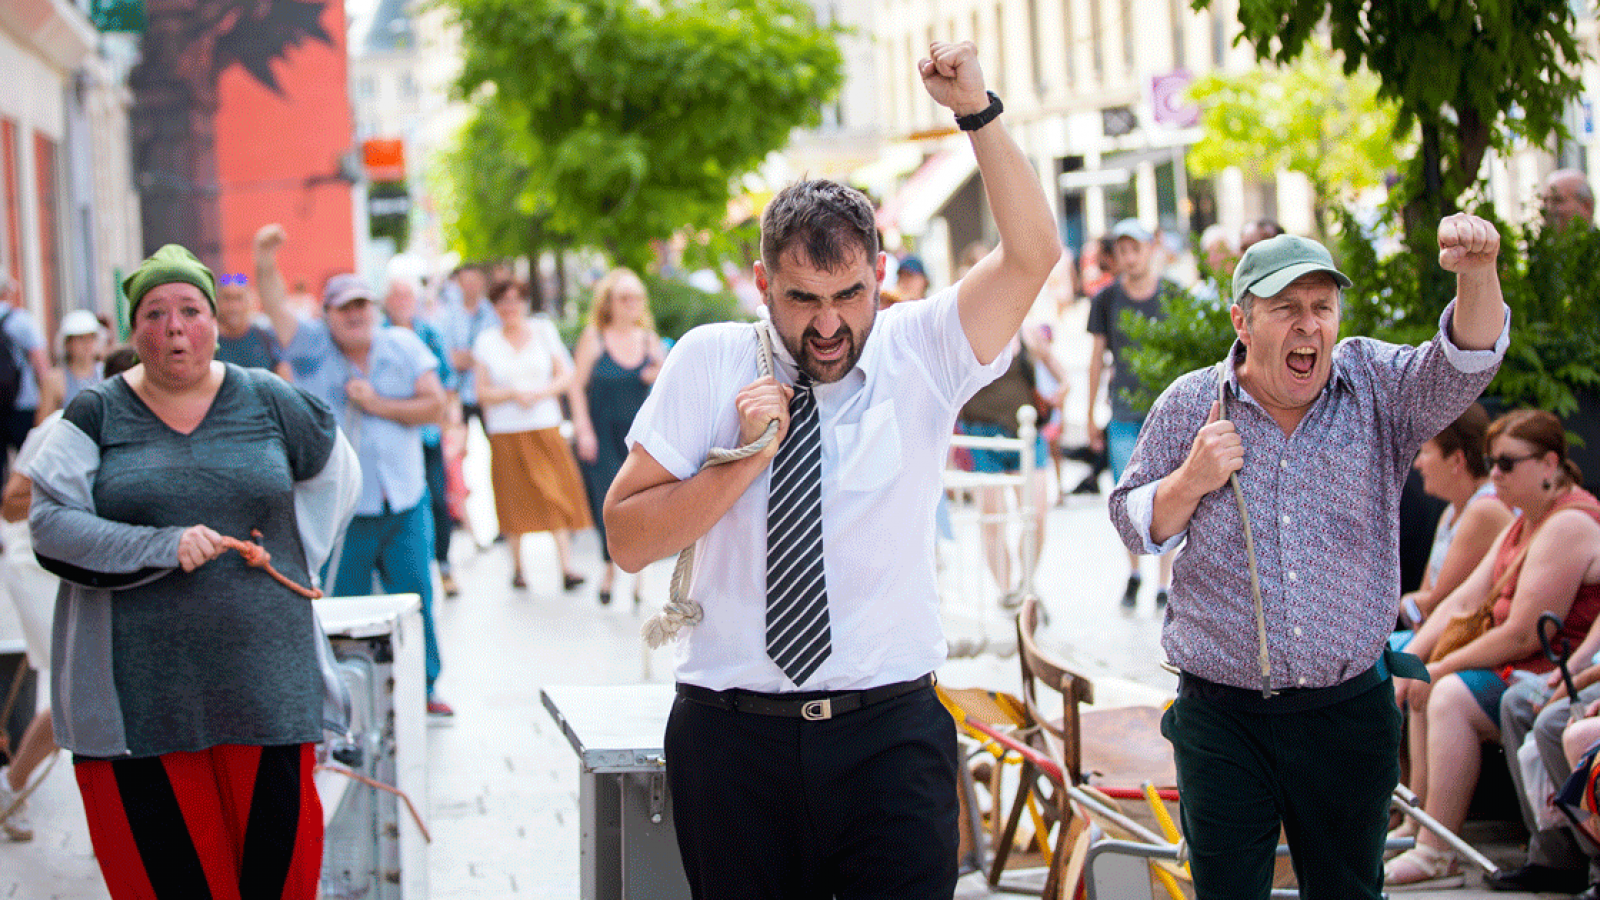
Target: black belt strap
[1287,700]
[814,706]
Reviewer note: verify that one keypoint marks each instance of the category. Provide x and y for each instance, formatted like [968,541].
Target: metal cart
[627,845]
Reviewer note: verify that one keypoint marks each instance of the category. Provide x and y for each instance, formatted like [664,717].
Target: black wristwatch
[983,116]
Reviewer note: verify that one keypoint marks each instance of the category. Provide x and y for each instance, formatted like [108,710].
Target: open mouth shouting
[828,359]
[1302,364]
[828,351]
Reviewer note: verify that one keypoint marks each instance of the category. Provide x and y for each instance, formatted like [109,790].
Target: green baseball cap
[169,265]
[1270,265]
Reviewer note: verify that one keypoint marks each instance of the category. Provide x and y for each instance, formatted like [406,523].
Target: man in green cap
[1285,713]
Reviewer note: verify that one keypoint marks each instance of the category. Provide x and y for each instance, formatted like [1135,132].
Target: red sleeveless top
[1585,604]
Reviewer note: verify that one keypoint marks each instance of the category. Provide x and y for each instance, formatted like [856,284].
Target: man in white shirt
[809,755]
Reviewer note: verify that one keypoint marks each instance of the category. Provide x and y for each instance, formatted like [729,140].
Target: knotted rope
[257,556]
[680,610]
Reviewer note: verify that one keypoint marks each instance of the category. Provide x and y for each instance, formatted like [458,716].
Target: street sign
[1167,104]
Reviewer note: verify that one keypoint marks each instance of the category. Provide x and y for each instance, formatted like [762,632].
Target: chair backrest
[1041,670]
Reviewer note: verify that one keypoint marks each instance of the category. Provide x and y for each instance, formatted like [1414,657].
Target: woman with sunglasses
[240,339]
[1546,560]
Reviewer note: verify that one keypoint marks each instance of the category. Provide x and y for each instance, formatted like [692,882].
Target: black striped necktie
[799,637]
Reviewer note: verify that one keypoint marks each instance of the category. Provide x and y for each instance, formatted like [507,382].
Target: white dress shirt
[885,434]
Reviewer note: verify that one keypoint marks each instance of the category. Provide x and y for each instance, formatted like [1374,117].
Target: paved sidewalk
[504,781]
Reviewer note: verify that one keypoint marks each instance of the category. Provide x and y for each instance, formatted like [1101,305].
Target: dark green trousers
[1325,775]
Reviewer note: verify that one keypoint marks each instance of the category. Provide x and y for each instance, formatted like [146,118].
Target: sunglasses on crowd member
[1506,463]
[240,280]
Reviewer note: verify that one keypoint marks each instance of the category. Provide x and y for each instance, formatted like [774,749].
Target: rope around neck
[680,610]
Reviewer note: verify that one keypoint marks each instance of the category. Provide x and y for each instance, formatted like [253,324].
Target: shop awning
[927,191]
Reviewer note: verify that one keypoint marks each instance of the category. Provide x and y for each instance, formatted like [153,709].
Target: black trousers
[859,806]
[1323,774]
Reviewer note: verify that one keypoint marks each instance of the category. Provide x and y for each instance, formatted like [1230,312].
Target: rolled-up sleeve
[1141,513]
[1474,361]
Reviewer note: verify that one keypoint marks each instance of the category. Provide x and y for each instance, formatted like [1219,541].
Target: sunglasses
[240,280]
[1506,463]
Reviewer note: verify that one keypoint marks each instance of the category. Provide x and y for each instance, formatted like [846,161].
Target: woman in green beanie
[188,684]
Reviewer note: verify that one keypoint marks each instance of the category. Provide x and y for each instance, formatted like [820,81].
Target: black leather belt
[1283,700]
[814,706]
[1293,700]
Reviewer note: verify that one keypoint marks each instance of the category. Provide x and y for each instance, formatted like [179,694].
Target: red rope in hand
[257,556]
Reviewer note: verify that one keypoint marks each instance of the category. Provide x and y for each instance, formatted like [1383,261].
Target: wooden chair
[1117,749]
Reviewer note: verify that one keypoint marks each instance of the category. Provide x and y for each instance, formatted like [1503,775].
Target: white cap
[79,322]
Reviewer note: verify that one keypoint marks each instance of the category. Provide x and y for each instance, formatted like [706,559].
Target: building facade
[69,217]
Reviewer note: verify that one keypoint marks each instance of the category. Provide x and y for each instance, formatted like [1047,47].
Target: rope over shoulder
[680,610]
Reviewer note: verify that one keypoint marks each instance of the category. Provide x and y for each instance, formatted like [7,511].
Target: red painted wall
[278,159]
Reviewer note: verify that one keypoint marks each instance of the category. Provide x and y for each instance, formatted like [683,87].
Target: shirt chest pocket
[869,448]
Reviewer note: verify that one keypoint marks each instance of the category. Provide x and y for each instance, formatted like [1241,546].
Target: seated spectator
[1546,560]
[1581,736]
[1453,469]
[1539,710]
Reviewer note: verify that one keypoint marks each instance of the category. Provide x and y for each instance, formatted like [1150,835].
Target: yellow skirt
[536,482]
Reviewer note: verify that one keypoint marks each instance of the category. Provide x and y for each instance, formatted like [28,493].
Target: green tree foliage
[1554,357]
[1546,274]
[1194,331]
[1306,116]
[1471,75]
[639,118]
[479,185]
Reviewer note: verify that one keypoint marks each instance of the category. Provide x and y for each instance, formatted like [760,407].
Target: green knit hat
[170,264]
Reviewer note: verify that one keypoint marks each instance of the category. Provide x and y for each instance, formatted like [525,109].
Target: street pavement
[503,804]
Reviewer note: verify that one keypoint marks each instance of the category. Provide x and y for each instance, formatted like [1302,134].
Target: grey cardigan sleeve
[70,540]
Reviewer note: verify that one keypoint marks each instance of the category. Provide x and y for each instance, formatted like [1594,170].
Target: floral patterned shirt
[1324,510]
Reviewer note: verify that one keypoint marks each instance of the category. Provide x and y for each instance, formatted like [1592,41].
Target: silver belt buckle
[817,710]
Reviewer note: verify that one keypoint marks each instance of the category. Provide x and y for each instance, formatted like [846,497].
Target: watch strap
[983,116]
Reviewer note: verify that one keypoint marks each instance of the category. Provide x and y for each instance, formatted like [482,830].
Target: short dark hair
[1108,247]
[119,359]
[1269,228]
[1469,434]
[821,220]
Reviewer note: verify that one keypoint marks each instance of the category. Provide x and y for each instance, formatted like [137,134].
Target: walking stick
[1557,650]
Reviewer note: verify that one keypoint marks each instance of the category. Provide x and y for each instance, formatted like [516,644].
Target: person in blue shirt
[383,385]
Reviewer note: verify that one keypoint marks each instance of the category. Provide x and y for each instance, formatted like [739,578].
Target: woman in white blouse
[521,369]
